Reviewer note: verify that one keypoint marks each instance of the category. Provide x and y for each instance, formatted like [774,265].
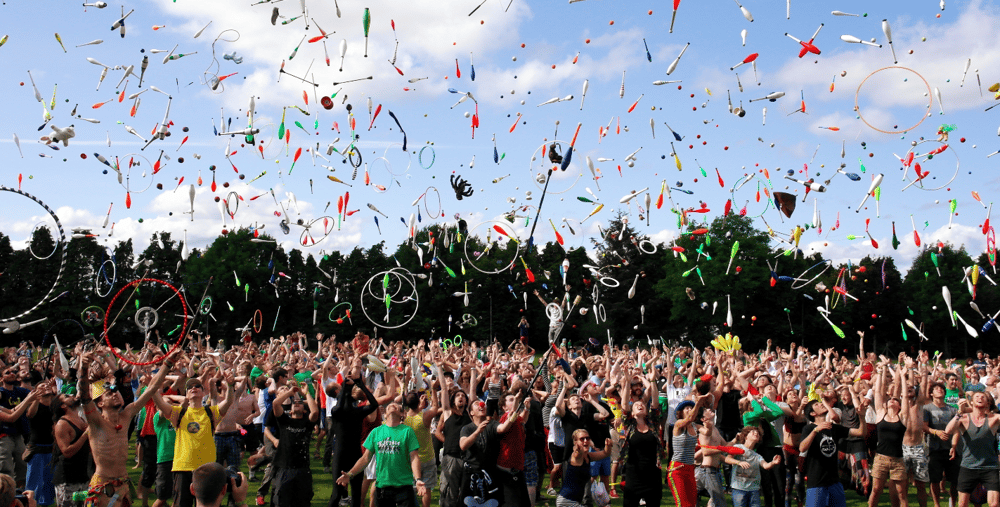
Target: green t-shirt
[306,377]
[165,435]
[951,397]
[392,447]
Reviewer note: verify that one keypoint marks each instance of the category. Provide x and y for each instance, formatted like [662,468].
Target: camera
[19,496]
[234,476]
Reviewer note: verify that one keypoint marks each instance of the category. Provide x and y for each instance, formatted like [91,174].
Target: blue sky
[564,44]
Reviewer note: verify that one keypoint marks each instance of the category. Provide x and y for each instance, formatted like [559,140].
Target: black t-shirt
[728,415]
[534,429]
[571,422]
[821,461]
[485,450]
[599,431]
[294,437]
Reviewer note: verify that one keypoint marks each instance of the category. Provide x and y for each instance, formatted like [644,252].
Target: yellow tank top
[416,422]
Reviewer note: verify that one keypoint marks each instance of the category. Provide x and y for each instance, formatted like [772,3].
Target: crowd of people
[493,425]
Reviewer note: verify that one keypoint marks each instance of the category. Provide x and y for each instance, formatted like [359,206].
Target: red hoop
[179,339]
[256,326]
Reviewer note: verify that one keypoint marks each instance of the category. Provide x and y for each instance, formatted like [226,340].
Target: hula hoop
[420,157]
[306,239]
[469,320]
[930,101]
[62,262]
[447,343]
[179,339]
[958,166]
[101,275]
[829,264]
[32,252]
[511,234]
[458,340]
[647,242]
[991,246]
[92,315]
[768,192]
[398,273]
[144,323]
[534,174]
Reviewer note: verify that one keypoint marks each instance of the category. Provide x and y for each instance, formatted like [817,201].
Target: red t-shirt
[512,447]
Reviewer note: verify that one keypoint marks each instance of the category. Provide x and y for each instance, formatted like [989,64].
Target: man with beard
[455,416]
[293,483]
[941,463]
[108,419]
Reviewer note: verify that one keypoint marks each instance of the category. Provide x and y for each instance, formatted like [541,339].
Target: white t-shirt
[260,404]
[556,434]
[675,395]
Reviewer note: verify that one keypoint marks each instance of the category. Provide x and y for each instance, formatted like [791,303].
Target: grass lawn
[323,485]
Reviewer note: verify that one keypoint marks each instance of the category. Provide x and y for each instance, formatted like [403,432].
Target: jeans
[746,498]
[710,479]
[402,496]
[828,496]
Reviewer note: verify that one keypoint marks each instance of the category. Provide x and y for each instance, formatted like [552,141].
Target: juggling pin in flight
[673,65]
[631,291]
[621,91]
[876,182]
[911,325]
[586,84]
[968,63]
[815,187]
[937,93]
[968,329]
[629,197]
[888,37]
[673,17]
[191,197]
[343,53]
[729,312]
[749,59]
[854,40]
[743,35]
[946,294]
[642,314]
[746,13]
[771,97]
[840,13]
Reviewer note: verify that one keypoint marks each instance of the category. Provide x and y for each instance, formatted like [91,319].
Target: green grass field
[323,486]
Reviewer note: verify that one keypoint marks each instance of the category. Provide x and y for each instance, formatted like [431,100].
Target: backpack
[208,411]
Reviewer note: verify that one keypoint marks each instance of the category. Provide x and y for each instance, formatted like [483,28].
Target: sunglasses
[583,439]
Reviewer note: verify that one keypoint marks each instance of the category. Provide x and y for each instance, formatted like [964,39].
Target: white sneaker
[642,501]
[551,492]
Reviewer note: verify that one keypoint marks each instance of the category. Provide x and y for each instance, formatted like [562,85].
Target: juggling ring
[440,211]
[469,320]
[398,273]
[32,252]
[127,183]
[958,166]
[48,332]
[205,307]
[991,246]
[92,315]
[767,186]
[647,242]
[602,312]
[180,337]
[338,320]
[604,281]
[828,263]
[258,316]
[420,157]
[836,295]
[231,210]
[513,234]
[101,275]
[142,318]
[930,101]
[534,157]
[306,228]
[62,262]
[554,312]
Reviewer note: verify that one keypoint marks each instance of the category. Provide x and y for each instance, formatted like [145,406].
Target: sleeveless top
[575,479]
[426,451]
[980,449]
[684,445]
[72,470]
[453,434]
[890,438]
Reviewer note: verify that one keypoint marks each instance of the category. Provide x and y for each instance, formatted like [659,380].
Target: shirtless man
[915,453]
[708,474]
[228,440]
[107,420]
